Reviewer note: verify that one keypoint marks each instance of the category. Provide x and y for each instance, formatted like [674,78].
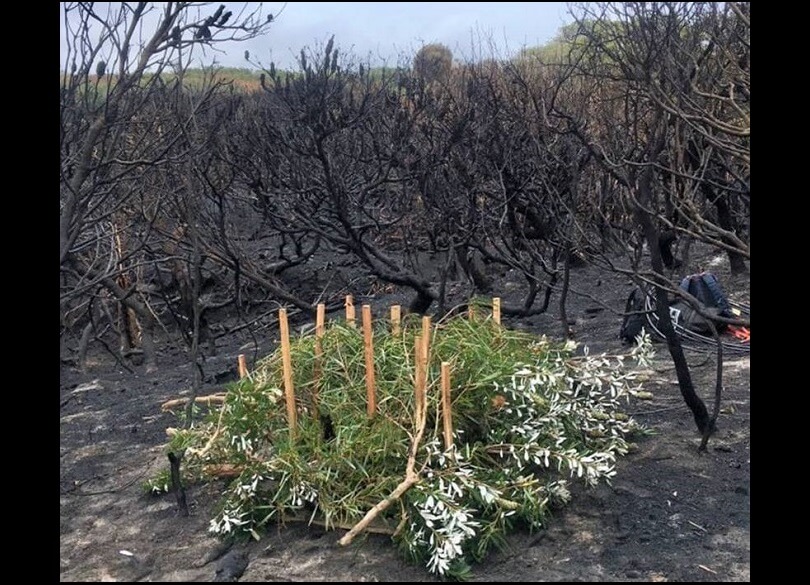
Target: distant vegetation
[431,61]
[242,78]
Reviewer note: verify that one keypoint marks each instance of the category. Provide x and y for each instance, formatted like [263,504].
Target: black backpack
[705,288]
[634,317]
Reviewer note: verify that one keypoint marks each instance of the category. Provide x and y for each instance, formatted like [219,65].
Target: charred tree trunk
[421,303]
[726,221]
[148,323]
[449,264]
[665,241]
[651,235]
[718,389]
[84,343]
[177,483]
[568,332]
[470,267]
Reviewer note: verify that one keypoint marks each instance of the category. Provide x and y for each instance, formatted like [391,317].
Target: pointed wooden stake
[447,415]
[496,310]
[350,315]
[320,326]
[286,360]
[242,365]
[368,343]
[396,312]
[419,380]
[425,337]
[421,349]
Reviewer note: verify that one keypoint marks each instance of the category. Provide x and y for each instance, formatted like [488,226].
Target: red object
[741,333]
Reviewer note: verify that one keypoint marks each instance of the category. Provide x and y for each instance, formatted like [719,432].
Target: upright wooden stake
[425,346]
[320,322]
[371,399]
[396,311]
[447,415]
[350,310]
[419,380]
[421,349]
[242,365]
[320,319]
[471,311]
[286,361]
[425,337]
[496,310]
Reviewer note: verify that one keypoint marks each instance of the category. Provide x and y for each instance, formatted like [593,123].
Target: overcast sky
[387,30]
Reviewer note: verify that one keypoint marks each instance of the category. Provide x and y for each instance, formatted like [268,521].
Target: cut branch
[208,400]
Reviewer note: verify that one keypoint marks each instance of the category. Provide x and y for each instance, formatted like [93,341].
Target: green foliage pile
[527,414]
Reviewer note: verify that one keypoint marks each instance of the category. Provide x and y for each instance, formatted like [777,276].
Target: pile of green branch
[527,414]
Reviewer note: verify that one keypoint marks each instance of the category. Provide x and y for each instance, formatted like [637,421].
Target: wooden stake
[320,319]
[368,343]
[242,365]
[419,378]
[350,310]
[286,360]
[425,337]
[425,346]
[320,322]
[471,311]
[447,415]
[396,311]
[496,310]
[421,348]
[425,350]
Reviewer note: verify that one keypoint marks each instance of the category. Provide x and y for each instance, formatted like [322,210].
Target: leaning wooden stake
[447,415]
[396,317]
[289,392]
[350,310]
[368,343]
[320,319]
[242,365]
[496,310]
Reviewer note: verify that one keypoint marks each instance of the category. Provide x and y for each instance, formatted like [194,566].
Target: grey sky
[389,30]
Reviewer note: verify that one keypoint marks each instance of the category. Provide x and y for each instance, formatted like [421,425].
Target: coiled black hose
[696,341]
